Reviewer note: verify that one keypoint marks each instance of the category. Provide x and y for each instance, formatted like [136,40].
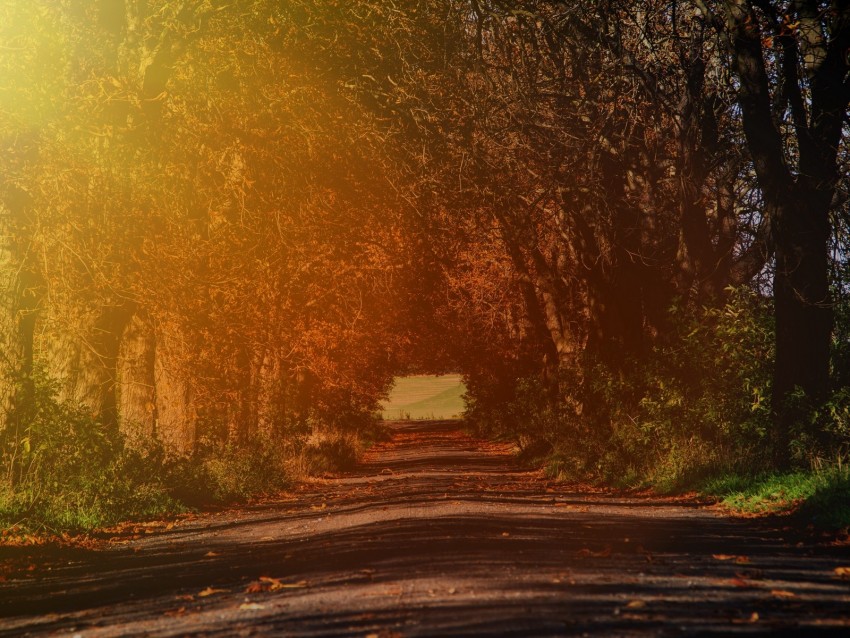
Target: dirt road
[438,534]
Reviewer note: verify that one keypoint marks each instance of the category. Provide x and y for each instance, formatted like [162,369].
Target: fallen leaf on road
[842,572]
[362,617]
[753,618]
[782,593]
[267,583]
[251,606]
[636,604]
[741,582]
[210,554]
[506,533]
[298,585]
[752,574]
[723,556]
[209,591]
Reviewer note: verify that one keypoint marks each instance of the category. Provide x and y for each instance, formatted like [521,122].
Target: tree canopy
[623,222]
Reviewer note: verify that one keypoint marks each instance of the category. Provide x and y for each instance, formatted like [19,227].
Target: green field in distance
[426,397]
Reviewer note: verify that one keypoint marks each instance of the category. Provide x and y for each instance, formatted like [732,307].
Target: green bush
[696,404]
[67,471]
[699,403]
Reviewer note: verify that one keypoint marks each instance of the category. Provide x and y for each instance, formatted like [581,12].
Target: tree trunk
[803,313]
[135,383]
[797,202]
[79,349]
[534,311]
[11,341]
[268,381]
[175,419]
[302,383]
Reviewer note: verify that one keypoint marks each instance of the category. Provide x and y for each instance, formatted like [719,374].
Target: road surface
[436,533]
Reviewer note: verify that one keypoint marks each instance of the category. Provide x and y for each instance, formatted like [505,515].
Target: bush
[65,470]
[697,403]
[329,452]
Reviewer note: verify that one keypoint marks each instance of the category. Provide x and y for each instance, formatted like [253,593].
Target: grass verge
[818,497]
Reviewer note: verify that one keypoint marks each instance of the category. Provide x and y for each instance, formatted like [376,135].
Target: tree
[791,62]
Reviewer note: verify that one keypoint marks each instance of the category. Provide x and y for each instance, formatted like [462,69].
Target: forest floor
[435,533]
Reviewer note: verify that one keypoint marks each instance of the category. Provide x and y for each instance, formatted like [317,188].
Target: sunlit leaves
[208,167]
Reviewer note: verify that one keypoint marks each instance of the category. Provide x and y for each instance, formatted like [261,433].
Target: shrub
[66,470]
[696,403]
[63,467]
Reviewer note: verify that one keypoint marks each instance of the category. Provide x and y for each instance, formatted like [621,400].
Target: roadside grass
[133,486]
[83,511]
[137,487]
[820,497]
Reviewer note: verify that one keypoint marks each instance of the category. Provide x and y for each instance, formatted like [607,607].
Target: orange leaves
[752,618]
[739,560]
[743,583]
[267,583]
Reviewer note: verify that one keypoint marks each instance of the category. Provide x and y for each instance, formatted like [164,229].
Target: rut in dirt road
[437,533]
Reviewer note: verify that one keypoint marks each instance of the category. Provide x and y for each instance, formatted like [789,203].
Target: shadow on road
[438,534]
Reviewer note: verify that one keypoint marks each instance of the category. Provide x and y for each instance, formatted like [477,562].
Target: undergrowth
[694,413]
[66,471]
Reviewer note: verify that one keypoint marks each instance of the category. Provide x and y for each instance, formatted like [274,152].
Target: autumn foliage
[225,228]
